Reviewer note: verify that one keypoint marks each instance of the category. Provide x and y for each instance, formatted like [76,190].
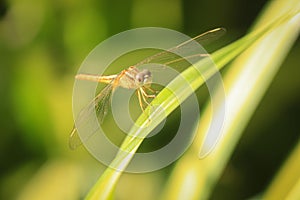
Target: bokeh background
[43,43]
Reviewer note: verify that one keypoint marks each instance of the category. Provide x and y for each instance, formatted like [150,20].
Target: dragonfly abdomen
[96,78]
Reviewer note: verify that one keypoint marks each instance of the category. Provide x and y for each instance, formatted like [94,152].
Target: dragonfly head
[144,78]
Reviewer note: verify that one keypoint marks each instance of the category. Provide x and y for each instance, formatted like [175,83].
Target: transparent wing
[101,104]
[74,139]
[187,47]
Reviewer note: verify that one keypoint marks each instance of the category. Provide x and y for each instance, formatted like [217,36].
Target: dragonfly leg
[140,100]
[144,94]
[151,90]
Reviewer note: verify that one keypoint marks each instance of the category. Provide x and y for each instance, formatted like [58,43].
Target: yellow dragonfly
[134,78]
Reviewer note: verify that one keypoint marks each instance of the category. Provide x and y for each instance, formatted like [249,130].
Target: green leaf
[245,83]
[167,99]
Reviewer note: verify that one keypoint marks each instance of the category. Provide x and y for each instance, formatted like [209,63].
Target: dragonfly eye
[144,77]
[146,73]
[140,77]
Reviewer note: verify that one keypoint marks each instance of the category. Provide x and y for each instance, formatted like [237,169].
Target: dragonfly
[134,78]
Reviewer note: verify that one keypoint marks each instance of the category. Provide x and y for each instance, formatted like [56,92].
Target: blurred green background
[42,44]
